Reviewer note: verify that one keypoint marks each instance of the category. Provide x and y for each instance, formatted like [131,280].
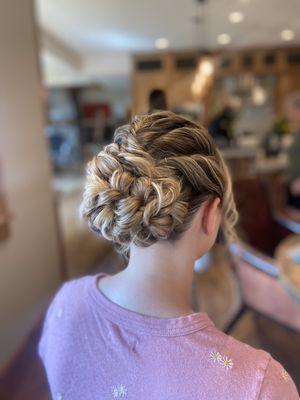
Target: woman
[160,192]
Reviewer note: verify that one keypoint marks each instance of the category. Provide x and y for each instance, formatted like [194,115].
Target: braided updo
[147,185]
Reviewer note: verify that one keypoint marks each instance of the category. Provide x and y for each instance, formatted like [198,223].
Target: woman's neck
[157,281]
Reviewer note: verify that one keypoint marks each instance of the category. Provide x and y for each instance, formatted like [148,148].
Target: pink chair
[261,289]
[253,260]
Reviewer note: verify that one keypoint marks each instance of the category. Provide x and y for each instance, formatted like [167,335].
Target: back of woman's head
[147,185]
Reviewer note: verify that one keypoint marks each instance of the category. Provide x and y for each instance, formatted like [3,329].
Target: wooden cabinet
[174,72]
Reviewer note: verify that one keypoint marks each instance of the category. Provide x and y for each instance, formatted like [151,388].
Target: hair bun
[148,184]
[127,199]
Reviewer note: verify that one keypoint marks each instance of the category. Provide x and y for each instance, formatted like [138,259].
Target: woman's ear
[211,217]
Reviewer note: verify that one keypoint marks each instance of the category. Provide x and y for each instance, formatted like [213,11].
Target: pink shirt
[93,349]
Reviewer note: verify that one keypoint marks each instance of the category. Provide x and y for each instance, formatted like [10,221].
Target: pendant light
[206,68]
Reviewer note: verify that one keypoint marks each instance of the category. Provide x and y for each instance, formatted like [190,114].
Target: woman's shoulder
[67,307]
[277,383]
[253,365]
[72,294]
[70,287]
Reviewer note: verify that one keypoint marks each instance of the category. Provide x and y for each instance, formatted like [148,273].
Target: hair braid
[147,185]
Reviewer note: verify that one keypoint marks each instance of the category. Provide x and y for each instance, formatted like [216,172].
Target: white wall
[29,259]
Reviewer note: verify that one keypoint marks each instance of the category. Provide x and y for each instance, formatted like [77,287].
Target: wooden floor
[25,379]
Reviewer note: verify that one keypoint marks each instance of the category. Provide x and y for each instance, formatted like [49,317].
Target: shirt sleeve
[277,384]
[50,315]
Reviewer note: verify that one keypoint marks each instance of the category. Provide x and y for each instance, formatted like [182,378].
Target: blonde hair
[147,185]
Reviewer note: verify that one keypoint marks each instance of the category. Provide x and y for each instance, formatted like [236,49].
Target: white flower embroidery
[226,362]
[122,391]
[119,391]
[284,375]
[221,359]
[215,356]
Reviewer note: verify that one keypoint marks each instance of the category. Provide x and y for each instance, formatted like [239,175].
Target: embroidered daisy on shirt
[221,359]
[122,391]
[215,356]
[284,375]
[115,392]
[226,362]
[119,391]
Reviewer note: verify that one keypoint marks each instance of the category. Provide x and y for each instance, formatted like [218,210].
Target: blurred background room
[70,73]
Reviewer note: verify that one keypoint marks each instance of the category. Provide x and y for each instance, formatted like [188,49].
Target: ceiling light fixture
[259,95]
[236,17]
[203,78]
[287,35]
[162,43]
[223,39]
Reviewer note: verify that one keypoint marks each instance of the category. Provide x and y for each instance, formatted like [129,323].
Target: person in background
[293,114]
[221,126]
[161,192]
[157,100]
